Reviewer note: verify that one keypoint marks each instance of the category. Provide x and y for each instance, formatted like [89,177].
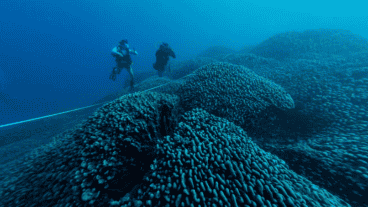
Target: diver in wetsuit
[123,60]
[162,58]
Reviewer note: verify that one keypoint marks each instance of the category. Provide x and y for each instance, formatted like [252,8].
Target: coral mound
[216,52]
[232,91]
[183,68]
[100,161]
[324,41]
[209,161]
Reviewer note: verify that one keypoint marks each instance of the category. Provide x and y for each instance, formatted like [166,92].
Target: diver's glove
[135,51]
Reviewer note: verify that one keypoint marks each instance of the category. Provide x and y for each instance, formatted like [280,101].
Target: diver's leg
[130,70]
[169,68]
[118,70]
[113,74]
[160,73]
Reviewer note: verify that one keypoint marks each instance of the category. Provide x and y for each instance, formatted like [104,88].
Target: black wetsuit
[162,57]
[123,62]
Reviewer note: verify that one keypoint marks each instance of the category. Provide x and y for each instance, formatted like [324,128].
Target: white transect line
[51,115]
[65,112]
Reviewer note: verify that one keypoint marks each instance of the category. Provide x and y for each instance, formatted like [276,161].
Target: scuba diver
[123,60]
[162,57]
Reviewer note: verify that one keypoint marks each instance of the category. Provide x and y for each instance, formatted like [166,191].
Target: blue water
[55,55]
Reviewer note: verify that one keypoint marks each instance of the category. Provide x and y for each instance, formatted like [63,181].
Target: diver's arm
[115,52]
[172,54]
[133,52]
